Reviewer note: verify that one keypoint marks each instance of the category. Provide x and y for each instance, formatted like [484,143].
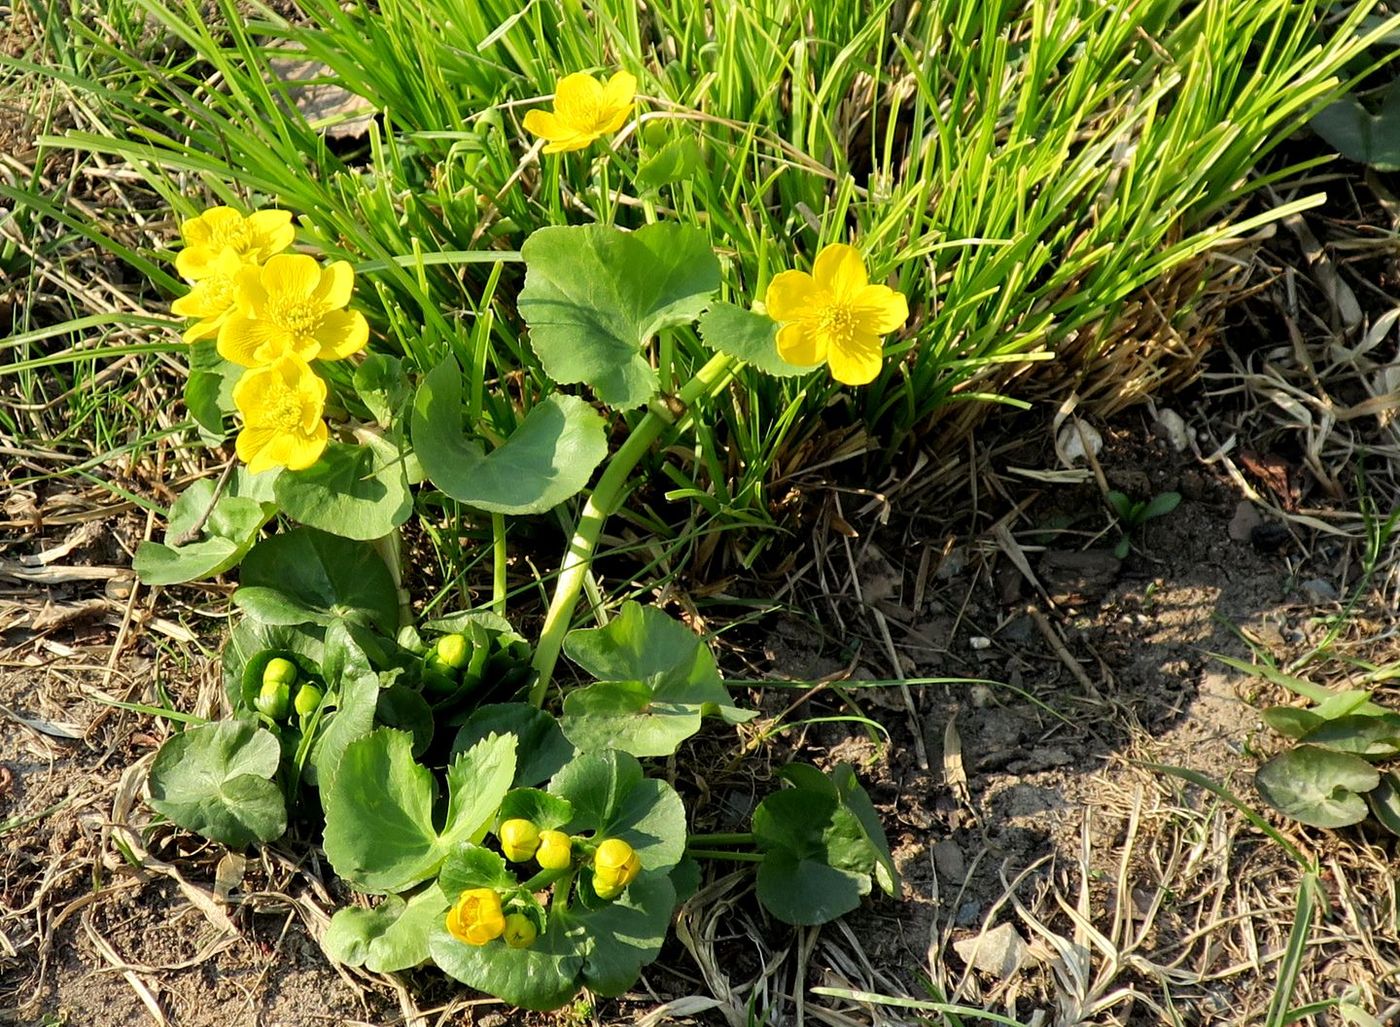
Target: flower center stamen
[837,319]
[281,409]
[297,316]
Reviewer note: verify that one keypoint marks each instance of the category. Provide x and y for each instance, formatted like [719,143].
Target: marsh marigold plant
[291,306]
[584,110]
[834,315]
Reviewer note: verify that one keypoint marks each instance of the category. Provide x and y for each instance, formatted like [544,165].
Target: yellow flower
[519,839]
[584,110]
[555,851]
[252,239]
[520,931]
[615,866]
[211,300]
[834,315]
[281,406]
[476,918]
[291,306]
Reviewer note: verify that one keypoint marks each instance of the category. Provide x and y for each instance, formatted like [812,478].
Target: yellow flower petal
[546,125]
[203,329]
[840,270]
[213,226]
[251,445]
[291,276]
[801,345]
[251,342]
[617,100]
[342,332]
[337,285]
[791,295]
[577,100]
[880,309]
[857,360]
[272,232]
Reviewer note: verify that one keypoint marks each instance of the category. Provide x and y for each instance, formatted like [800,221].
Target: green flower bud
[281,671]
[308,698]
[273,699]
[451,651]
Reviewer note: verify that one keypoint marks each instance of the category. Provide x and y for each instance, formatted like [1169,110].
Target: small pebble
[1320,591]
[980,642]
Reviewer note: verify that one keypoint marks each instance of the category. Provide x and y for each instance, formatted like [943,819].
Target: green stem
[737,857]
[607,496]
[390,551]
[498,577]
[738,838]
[560,900]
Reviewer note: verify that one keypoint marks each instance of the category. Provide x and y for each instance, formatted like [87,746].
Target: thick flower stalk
[476,917]
[291,306]
[281,406]
[615,866]
[584,110]
[223,230]
[834,315]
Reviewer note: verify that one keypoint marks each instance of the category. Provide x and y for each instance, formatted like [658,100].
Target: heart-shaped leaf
[1371,736]
[541,748]
[357,492]
[379,808]
[1291,721]
[1317,786]
[625,934]
[307,576]
[545,811]
[547,459]
[753,338]
[382,386]
[232,520]
[391,937]
[543,976]
[614,799]
[590,323]
[216,779]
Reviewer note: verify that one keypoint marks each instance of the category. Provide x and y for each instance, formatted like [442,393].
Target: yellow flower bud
[555,851]
[615,866]
[519,839]
[453,651]
[280,670]
[476,918]
[520,932]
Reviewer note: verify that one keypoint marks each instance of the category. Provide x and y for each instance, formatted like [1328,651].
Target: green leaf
[627,715]
[818,855]
[307,576]
[658,679]
[674,162]
[625,934]
[541,748]
[545,811]
[1161,505]
[379,808]
[209,389]
[228,533]
[216,779]
[471,866]
[541,977]
[1361,136]
[1291,720]
[858,802]
[352,691]
[391,937]
[595,295]
[546,460]
[807,891]
[1121,505]
[382,386]
[357,492]
[1384,801]
[1317,786]
[613,798]
[401,707]
[751,337]
[1370,736]
[1355,700]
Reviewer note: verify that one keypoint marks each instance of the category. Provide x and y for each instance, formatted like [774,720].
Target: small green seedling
[1132,514]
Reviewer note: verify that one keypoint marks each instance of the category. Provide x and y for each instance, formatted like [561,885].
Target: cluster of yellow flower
[478,916]
[273,313]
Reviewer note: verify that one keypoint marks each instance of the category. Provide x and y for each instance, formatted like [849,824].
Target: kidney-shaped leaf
[1374,737]
[307,576]
[547,459]
[357,492]
[594,295]
[216,779]
[1317,786]
[231,525]
[543,976]
[391,937]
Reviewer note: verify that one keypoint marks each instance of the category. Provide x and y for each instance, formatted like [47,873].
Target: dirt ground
[1020,807]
